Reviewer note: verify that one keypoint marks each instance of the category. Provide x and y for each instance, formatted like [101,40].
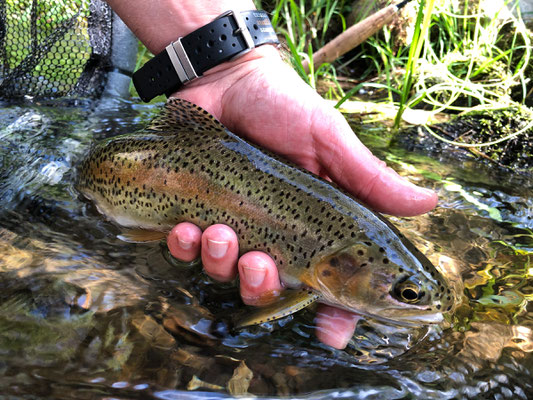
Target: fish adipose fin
[141,236]
[179,115]
[289,302]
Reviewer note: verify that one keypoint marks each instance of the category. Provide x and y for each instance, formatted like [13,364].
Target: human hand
[219,250]
[262,99]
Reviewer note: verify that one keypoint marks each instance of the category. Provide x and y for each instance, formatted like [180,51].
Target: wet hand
[219,249]
[261,98]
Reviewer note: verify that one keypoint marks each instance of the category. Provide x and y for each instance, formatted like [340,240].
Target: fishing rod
[355,35]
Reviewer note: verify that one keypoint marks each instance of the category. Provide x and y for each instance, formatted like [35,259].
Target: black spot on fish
[334,262]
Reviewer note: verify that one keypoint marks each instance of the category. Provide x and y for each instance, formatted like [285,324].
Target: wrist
[232,71]
[225,39]
[257,53]
[159,23]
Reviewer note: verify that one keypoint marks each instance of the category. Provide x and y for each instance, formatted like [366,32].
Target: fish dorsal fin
[179,115]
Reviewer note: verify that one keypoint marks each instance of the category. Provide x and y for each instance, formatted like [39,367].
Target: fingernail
[254,276]
[217,249]
[184,244]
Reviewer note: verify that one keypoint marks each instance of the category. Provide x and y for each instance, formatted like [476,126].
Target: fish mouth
[408,321]
[393,316]
[434,318]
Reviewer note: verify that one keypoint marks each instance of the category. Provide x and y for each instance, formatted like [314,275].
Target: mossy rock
[514,154]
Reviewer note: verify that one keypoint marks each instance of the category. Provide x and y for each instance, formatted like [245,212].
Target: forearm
[158,22]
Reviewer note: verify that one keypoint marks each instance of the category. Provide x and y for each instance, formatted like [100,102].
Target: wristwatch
[231,35]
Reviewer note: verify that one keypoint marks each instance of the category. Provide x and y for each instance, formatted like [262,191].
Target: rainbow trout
[186,166]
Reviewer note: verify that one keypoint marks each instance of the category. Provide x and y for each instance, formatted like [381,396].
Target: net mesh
[54,48]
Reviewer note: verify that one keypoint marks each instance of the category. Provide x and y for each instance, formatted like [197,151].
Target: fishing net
[54,48]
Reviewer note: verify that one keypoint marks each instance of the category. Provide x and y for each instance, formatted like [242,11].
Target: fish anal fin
[141,236]
[289,302]
[178,115]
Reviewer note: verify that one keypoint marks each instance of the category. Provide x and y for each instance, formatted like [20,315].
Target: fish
[328,246]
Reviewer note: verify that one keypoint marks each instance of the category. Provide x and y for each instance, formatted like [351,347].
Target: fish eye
[407,291]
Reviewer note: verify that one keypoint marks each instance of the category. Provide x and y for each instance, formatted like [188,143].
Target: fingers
[184,241]
[335,327]
[259,278]
[258,273]
[220,251]
[218,247]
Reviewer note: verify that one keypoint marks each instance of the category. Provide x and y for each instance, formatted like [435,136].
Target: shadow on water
[85,315]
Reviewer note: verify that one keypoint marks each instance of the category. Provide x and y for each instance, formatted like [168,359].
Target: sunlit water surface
[85,315]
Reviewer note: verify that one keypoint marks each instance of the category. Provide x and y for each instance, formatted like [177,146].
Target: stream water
[84,315]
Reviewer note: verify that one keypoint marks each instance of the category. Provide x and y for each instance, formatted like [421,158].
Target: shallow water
[85,315]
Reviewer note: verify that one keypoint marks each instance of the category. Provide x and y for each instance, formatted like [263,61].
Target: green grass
[423,18]
[306,27]
[460,57]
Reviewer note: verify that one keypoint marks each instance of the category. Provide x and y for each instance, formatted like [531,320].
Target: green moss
[479,128]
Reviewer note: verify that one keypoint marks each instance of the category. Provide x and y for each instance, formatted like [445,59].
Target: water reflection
[85,315]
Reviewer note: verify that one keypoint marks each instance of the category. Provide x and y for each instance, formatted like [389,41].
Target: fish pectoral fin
[289,302]
[141,236]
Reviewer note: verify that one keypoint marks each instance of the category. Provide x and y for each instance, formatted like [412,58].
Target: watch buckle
[241,28]
[181,62]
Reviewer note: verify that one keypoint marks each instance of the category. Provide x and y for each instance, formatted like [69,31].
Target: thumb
[351,165]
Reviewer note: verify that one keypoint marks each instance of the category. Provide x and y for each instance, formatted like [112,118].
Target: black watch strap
[230,35]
